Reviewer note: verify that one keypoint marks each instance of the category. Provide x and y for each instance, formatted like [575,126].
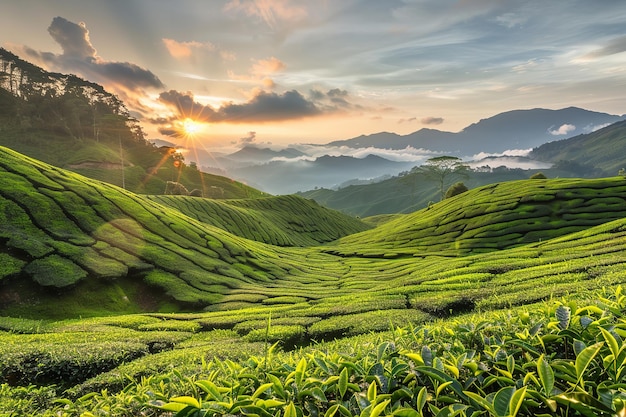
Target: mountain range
[598,154]
[496,141]
[517,129]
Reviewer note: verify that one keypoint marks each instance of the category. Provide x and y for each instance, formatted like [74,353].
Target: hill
[495,216]
[72,245]
[601,152]
[257,154]
[93,241]
[435,309]
[411,190]
[281,221]
[290,176]
[72,123]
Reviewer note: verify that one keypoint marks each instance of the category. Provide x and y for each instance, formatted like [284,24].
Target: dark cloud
[249,138]
[168,131]
[80,56]
[332,98]
[264,107]
[73,38]
[432,120]
[336,92]
[616,46]
[316,95]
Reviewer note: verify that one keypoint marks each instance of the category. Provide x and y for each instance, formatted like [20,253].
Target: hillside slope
[604,149]
[283,221]
[408,192]
[496,216]
[72,246]
[75,124]
[62,231]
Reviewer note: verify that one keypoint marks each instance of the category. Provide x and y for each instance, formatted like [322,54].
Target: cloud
[432,120]
[249,138]
[260,71]
[592,128]
[408,154]
[510,20]
[511,162]
[616,46]
[269,11]
[509,152]
[79,56]
[410,119]
[262,107]
[562,130]
[73,38]
[267,66]
[181,50]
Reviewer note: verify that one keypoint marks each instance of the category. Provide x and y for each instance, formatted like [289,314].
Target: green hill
[597,154]
[496,216]
[410,191]
[71,245]
[77,125]
[602,150]
[283,221]
[97,243]
[397,317]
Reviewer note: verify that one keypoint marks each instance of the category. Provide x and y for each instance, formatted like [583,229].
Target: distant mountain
[517,129]
[597,154]
[285,177]
[260,155]
[603,150]
[295,168]
[424,138]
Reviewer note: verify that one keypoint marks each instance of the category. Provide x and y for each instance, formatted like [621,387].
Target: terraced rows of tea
[74,246]
[496,216]
[281,221]
[212,283]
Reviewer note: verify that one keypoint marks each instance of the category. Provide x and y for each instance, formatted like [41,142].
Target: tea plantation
[502,301]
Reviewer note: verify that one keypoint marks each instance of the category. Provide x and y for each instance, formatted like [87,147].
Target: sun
[191,127]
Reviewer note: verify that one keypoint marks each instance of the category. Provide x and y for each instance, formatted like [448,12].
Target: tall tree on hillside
[444,169]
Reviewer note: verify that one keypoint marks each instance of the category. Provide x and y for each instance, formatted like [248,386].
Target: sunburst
[190,127]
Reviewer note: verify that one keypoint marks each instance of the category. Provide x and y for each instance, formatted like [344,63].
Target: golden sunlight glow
[191,127]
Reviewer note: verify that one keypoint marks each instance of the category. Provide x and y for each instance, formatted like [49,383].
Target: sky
[234,72]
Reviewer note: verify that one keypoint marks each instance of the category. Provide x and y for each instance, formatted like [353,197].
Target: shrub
[355,324]
[455,189]
[538,176]
[289,336]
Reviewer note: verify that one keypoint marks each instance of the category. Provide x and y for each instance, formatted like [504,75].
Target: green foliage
[538,176]
[455,189]
[443,168]
[55,271]
[367,302]
[519,362]
[282,221]
[496,216]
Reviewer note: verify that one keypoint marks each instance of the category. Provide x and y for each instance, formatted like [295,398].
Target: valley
[103,288]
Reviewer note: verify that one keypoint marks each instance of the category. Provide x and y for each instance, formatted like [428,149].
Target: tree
[456,189]
[443,169]
[538,176]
